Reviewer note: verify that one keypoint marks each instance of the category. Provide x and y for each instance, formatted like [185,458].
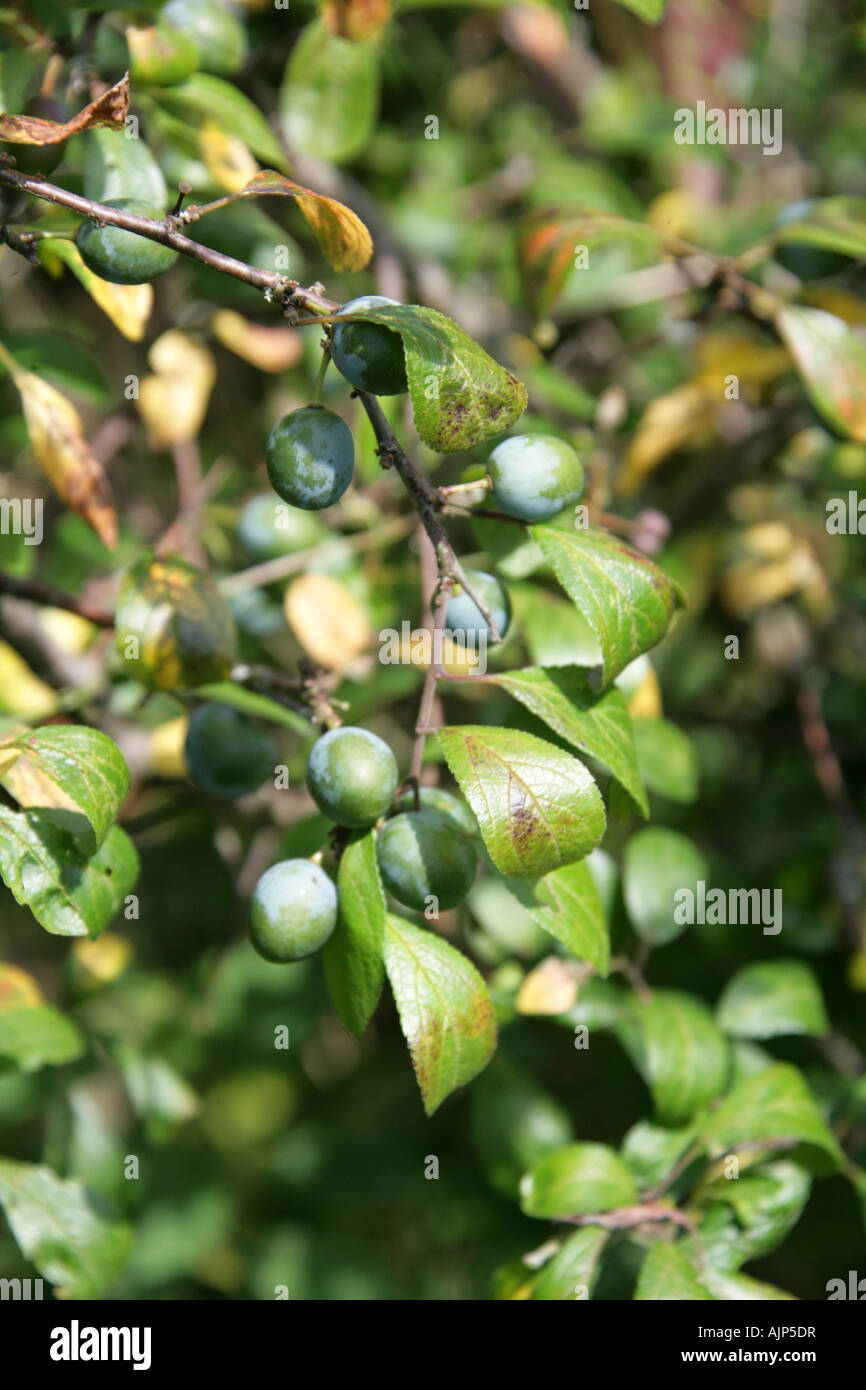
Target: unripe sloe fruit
[369,355]
[445,802]
[422,854]
[534,476]
[463,617]
[805,261]
[352,776]
[293,911]
[311,458]
[124,258]
[226,751]
[268,527]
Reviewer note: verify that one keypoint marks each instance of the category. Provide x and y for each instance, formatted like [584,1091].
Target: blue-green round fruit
[445,802]
[268,528]
[226,752]
[464,619]
[311,458]
[124,258]
[293,911]
[422,854]
[352,776]
[805,261]
[369,355]
[218,35]
[534,476]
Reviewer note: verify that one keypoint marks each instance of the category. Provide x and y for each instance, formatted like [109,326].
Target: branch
[54,598]
[426,501]
[166,232]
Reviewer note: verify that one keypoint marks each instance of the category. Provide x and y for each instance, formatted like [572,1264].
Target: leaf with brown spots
[446,1014]
[536,806]
[109,110]
[460,396]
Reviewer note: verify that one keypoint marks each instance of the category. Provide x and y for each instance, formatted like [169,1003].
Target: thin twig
[46,594]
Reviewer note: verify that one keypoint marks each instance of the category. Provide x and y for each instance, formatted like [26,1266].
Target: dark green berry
[369,355]
[445,802]
[311,458]
[226,751]
[352,776]
[423,855]
[122,257]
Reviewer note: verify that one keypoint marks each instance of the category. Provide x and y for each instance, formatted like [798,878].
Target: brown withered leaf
[63,453]
[340,232]
[110,110]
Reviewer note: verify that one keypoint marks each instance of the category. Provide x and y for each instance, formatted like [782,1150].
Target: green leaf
[681,1053]
[460,396]
[740,1288]
[68,893]
[330,94]
[774,1104]
[668,1275]
[353,955]
[574,914]
[204,97]
[657,864]
[833,224]
[651,11]
[71,1237]
[117,167]
[38,1037]
[771,999]
[831,359]
[76,776]
[573,1270]
[259,706]
[624,597]
[651,1150]
[597,725]
[768,1202]
[445,1011]
[576,1181]
[666,759]
[537,807]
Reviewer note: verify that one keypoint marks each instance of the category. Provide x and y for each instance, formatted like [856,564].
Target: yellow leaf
[165,746]
[270,349]
[668,423]
[327,620]
[356,19]
[173,402]
[18,990]
[678,212]
[646,702]
[721,355]
[63,453]
[21,692]
[841,303]
[227,159]
[68,631]
[128,306]
[101,961]
[340,232]
[551,988]
[30,787]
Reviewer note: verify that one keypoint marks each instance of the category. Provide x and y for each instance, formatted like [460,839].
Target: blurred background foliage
[306,1168]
